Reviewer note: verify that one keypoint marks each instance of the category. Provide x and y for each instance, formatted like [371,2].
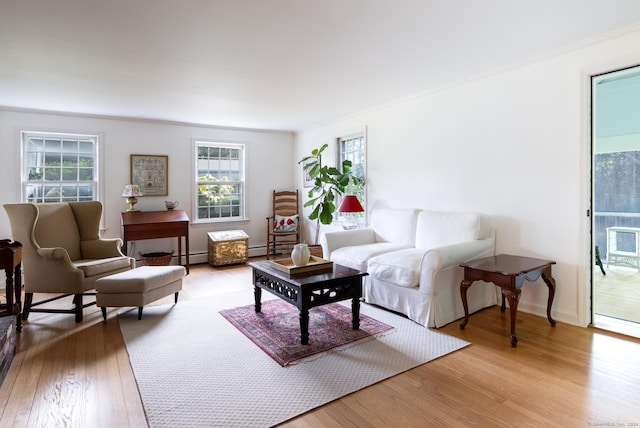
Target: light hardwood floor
[78,375]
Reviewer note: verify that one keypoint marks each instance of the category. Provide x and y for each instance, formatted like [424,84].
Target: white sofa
[413,259]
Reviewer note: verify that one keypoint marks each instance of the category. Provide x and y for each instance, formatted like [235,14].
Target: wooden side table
[508,272]
[11,262]
[139,225]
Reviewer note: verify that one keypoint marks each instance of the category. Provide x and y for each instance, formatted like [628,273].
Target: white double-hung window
[59,167]
[353,148]
[219,181]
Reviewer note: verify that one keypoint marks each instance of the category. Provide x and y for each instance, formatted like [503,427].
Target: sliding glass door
[616,200]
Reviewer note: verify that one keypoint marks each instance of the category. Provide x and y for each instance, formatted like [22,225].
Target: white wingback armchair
[63,251]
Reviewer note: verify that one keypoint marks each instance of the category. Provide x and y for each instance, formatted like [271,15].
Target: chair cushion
[400,267]
[356,256]
[101,266]
[285,223]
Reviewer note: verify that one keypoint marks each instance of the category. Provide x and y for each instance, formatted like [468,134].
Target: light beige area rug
[194,369]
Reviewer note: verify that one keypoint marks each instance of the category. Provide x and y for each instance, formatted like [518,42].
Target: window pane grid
[219,181]
[59,168]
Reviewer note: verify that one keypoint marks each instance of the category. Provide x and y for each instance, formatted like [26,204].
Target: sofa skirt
[436,308]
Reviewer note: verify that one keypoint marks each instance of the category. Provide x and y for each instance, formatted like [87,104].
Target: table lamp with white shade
[131,192]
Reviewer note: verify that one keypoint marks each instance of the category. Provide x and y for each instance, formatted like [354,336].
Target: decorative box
[228,247]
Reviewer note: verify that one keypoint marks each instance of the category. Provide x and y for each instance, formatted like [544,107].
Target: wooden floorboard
[78,375]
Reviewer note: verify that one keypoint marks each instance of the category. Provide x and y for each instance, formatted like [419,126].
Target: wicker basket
[156,259]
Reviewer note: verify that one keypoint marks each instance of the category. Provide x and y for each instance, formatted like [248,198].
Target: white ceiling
[271,64]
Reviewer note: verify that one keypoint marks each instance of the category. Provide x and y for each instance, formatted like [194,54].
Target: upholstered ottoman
[138,287]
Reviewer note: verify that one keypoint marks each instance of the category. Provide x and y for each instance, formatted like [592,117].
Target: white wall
[270,165]
[513,144]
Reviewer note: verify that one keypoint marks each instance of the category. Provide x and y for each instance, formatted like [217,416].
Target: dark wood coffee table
[508,272]
[308,290]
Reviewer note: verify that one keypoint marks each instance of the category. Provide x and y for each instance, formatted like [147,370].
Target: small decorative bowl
[171,204]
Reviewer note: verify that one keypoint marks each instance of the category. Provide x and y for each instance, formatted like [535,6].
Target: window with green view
[59,167]
[352,148]
[219,181]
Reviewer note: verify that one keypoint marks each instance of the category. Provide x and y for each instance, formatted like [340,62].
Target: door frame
[587,265]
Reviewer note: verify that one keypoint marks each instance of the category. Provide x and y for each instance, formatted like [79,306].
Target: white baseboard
[560,316]
[203,257]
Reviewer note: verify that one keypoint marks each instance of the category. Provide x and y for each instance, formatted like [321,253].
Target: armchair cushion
[101,266]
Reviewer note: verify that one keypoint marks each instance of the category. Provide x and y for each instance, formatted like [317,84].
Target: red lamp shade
[350,204]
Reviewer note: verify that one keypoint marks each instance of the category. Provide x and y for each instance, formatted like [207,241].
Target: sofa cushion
[356,256]
[401,267]
[437,228]
[394,225]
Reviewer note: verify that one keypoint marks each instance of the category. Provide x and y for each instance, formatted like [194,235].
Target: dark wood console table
[139,225]
[11,262]
[509,273]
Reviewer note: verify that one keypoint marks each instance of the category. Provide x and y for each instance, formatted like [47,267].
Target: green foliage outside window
[214,194]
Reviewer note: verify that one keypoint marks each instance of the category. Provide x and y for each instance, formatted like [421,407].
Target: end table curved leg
[551,283]
[464,286]
[513,296]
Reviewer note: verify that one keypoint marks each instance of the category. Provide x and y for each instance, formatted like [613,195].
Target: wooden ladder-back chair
[283,227]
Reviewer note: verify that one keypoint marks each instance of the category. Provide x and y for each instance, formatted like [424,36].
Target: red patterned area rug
[276,329]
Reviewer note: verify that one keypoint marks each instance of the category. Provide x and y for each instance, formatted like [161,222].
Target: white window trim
[354,133]
[99,137]
[196,142]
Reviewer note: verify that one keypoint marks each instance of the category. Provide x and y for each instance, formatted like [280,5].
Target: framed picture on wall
[306,179]
[151,173]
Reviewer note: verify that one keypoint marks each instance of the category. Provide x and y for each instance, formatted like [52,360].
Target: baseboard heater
[203,256]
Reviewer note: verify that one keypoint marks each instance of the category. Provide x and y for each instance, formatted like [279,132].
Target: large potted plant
[329,183]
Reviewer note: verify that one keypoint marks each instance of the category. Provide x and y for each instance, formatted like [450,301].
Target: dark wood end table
[508,272]
[11,262]
[308,290]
